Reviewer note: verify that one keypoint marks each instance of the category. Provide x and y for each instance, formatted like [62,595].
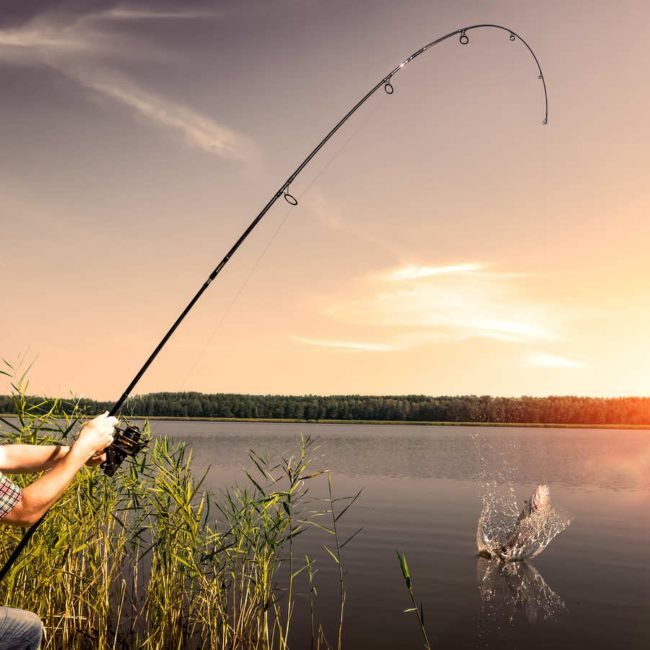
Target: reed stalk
[417,610]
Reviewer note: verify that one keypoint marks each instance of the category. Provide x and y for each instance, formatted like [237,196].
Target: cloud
[412,306]
[553,361]
[411,272]
[200,131]
[455,303]
[349,345]
[71,11]
[129,13]
[333,216]
[80,48]
[32,44]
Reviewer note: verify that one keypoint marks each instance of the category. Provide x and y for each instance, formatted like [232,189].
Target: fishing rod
[127,440]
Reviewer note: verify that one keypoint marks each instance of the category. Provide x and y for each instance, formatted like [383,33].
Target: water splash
[504,530]
[498,517]
[510,535]
[511,590]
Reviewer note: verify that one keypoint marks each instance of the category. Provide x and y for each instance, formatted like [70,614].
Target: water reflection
[514,591]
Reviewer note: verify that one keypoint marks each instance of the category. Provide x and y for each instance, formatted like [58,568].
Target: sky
[445,241]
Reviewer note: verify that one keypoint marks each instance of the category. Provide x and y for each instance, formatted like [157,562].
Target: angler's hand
[94,437]
[96,459]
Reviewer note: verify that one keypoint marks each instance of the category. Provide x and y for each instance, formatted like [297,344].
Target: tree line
[408,408]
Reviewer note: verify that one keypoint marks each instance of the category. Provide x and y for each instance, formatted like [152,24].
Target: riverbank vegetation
[147,559]
[565,410]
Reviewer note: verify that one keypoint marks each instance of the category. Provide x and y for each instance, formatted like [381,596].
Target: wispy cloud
[411,306]
[197,129]
[129,13]
[80,50]
[553,361]
[349,345]
[411,272]
[454,303]
[333,215]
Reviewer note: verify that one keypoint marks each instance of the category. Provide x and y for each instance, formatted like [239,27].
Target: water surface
[421,486]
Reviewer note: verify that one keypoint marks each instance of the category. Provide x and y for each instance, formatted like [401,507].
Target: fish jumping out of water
[531,533]
[522,536]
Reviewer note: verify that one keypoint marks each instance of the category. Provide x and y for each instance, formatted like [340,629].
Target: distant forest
[469,408]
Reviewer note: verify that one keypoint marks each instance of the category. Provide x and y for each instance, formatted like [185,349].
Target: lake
[421,495]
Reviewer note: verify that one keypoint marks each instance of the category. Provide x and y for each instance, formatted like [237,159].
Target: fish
[524,530]
[521,536]
[540,500]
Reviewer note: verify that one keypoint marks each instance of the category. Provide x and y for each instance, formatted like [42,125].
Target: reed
[418,610]
[148,559]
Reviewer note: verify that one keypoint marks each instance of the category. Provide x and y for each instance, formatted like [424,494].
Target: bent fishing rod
[127,440]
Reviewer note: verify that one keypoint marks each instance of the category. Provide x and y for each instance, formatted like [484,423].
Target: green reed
[147,559]
[418,610]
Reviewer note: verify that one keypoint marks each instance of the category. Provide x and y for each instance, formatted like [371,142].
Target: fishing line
[285,189]
[238,293]
[127,440]
[199,356]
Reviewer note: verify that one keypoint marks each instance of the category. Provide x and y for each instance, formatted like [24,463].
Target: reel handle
[127,441]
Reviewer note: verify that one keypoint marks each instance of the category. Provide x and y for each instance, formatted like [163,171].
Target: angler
[20,628]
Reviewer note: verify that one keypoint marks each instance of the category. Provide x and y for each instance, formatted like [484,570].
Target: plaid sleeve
[9,495]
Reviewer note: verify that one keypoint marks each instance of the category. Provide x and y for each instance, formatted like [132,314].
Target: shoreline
[530,425]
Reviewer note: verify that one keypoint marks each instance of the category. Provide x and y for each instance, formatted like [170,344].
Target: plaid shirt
[9,495]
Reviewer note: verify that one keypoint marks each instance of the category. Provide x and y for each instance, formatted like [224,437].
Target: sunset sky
[446,242]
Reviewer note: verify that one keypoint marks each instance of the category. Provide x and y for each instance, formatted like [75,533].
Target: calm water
[589,589]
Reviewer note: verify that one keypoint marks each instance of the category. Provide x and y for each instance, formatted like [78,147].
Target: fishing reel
[127,441]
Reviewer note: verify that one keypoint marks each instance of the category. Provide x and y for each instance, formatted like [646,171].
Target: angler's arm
[25,508]
[18,458]
[22,459]
[38,497]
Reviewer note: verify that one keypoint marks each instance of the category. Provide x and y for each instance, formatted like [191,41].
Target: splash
[510,590]
[509,534]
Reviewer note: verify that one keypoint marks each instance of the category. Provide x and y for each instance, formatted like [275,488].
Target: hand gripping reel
[127,441]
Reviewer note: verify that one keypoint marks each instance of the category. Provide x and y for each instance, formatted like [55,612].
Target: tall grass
[147,559]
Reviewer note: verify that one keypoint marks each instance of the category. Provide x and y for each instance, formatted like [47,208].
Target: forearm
[39,496]
[30,458]
[24,509]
